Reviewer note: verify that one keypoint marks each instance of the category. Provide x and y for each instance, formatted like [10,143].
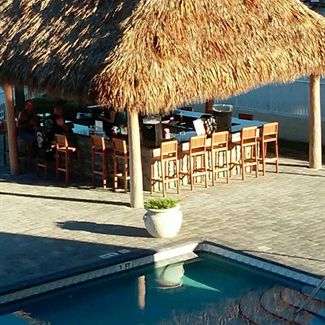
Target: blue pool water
[206,290]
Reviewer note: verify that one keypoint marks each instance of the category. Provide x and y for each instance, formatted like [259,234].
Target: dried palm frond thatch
[153,55]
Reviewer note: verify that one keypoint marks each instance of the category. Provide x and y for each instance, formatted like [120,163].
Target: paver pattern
[47,227]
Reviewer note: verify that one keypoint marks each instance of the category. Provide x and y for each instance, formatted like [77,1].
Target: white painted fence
[288,100]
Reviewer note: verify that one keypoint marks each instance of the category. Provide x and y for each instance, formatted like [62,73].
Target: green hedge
[46,104]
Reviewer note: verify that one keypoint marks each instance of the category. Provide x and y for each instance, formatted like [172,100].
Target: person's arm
[22,120]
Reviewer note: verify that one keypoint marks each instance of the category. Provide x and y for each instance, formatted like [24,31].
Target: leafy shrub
[161,203]
[45,104]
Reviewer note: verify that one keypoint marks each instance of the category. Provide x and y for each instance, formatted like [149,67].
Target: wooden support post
[315,124]
[11,126]
[136,182]
[208,106]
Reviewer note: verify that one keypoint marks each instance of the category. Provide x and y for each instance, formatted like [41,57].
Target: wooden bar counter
[147,153]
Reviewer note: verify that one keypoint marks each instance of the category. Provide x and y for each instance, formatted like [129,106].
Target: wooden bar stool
[63,150]
[269,135]
[46,149]
[120,153]
[169,167]
[248,141]
[99,149]
[25,152]
[196,160]
[217,150]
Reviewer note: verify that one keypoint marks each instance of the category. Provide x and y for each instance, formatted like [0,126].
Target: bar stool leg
[177,175]
[93,167]
[264,151]
[79,163]
[213,166]
[277,156]
[151,177]
[230,161]
[115,167]
[204,163]
[105,170]
[67,166]
[163,177]
[57,163]
[191,172]
[126,167]
[243,158]
[256,159]
[227,166]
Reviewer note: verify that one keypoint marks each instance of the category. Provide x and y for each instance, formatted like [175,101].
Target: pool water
[205,290]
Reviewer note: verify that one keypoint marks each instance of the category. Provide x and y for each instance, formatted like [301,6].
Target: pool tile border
[172,254]
[259,263]
[164,256]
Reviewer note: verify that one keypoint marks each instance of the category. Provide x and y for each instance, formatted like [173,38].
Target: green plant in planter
[161,203]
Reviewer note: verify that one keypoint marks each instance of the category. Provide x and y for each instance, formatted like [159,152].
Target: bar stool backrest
[270,130]
[245,116]
[120,147]
[97,143]
[61,141]
[198,144]
[219,140]
[168,149]
[248,135]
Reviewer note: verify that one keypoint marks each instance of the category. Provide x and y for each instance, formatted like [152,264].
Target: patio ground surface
[47,228]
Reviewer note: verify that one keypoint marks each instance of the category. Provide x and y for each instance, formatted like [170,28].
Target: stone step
[297,299]
[272,302]
[252,310]
[320,295]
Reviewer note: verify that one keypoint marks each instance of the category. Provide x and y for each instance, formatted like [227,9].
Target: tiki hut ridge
[153,55]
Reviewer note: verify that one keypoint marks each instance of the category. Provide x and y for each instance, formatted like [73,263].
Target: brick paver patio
[49,228]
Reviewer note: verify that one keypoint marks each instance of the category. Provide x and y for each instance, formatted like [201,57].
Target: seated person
[27,123]
[59,126]
[112,118]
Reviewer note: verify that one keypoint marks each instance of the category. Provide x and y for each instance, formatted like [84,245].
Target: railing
[308,299]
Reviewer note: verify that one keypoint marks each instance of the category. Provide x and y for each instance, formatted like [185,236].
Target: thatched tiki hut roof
[153,55]
[156,54]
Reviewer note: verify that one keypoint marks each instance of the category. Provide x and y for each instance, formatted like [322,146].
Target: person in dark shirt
[27,123]
[112,118]
[59,126]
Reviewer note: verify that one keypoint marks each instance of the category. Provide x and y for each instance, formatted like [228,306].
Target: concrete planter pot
[163,223]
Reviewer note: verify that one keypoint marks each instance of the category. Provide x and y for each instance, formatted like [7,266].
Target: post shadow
[106,229]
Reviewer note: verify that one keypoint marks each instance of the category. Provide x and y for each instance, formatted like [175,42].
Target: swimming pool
[203,290]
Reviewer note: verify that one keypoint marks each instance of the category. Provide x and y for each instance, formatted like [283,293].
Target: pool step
[239,320]
[251,309]
[297,299]
[272,302]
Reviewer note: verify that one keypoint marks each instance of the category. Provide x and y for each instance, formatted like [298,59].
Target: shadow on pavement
[60,198]
[31,260]
[108,229]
